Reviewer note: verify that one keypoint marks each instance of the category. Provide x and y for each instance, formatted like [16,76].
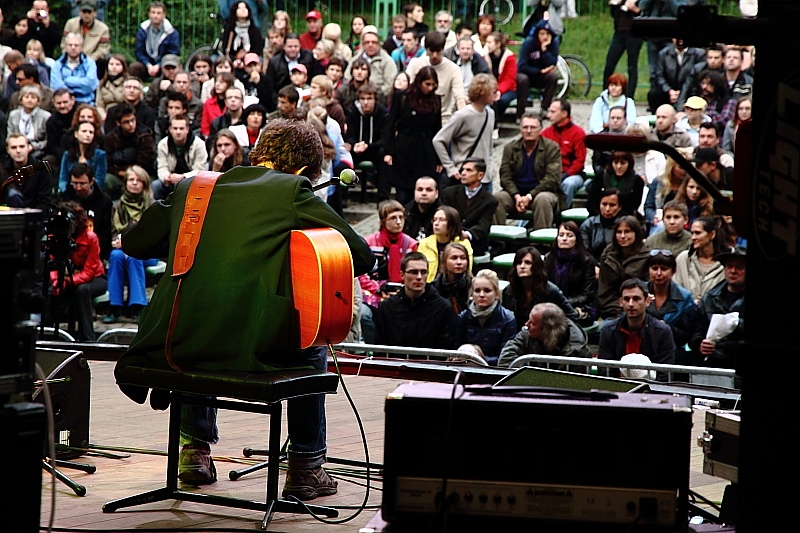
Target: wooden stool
[252,392]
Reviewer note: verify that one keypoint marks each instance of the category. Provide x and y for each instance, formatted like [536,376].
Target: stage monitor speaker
[560,379]
[69,381]
[545,461]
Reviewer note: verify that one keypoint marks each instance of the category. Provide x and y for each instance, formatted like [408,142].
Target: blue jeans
[120,267]
[305,415]
[502,104]
[571,185]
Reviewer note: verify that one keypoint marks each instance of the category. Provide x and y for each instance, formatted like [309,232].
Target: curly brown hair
[289,145]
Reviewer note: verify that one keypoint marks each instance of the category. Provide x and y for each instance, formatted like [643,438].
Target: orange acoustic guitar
[322,285]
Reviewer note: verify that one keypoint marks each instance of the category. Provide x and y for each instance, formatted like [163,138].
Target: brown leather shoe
[309,484]
[196,467]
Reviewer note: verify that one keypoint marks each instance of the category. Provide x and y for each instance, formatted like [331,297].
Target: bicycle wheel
[207,49]
[501,10]
[580,79]
[562,85]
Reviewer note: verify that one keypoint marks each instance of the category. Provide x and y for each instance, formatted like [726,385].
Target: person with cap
[718,349]
[298,74]
[314,30]
[694,115]
[674,67]
[255,82]
[96,35]
[75,70]
[155,38]
[170,65]
[636,331]
[382,68]
[280,65]
[241,34]
[707,161]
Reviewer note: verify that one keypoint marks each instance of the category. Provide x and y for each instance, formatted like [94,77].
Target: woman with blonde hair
[485,322]
[34,53]
[699,203]
[662,190]
[282,22]
[122,268]
[446,224]
[454,280]
[318,117]
[333,33]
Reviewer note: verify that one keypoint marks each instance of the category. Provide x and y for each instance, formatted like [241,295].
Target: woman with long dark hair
[357,24]
[414,119]
[446,224]
[671,303]
[83,148]
[697,200]
[226,152]
[571,267]
[109,90]
[454,279]
[485,322]
[620,175]
[697,268]
[625,258]
[528,285]
[241,33]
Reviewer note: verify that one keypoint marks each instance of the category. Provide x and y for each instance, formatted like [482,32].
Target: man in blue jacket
[75,71]
[156,38]
[635,331]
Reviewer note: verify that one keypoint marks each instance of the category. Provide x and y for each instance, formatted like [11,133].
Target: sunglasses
[665,253]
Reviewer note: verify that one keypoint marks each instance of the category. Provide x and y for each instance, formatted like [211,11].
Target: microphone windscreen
[348,176]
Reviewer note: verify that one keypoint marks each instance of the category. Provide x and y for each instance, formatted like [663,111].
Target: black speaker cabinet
[22,435]
[615,462]
[69,381]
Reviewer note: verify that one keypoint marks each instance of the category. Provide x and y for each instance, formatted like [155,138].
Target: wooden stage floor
[118,423]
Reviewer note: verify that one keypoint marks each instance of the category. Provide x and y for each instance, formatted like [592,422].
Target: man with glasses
[27,74]
[444,24]
[75,70]
[234,104]
[417,315]
[382,69]
[155,38]
[170,65]
[129,143]
[530,176]
[96,35]
[132,89]
[58,126]
[83,189]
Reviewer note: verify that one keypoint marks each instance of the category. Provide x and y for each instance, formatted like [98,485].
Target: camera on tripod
[58,230]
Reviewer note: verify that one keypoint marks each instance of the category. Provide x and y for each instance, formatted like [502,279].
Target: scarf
[563,263]
[26,125]
[482,315]
[128,210]
[152,40]
[452,290]
[241,40]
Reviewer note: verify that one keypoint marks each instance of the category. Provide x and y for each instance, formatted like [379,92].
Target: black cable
[450,408]
[366,453]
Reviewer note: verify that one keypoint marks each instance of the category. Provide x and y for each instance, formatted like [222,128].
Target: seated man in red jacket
[570,139]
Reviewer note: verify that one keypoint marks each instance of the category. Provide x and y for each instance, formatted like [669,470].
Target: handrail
[405,350]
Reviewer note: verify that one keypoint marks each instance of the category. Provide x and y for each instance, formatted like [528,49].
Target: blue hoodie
[531,57]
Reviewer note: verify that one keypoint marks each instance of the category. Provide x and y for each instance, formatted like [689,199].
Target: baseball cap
[370,29]
[251,57]
[695,102]
[171,60]
[314,15]
[706,155]
[301,67]
[87,5]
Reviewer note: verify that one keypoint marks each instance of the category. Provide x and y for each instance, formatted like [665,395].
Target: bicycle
[501,10]
[213,50]
[575,80]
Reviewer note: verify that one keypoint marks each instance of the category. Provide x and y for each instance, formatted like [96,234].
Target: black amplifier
[617,462]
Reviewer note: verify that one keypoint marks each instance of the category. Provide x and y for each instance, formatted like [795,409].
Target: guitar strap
[194,214]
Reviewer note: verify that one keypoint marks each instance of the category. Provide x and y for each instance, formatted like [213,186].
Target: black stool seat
[255,392]
[266,387]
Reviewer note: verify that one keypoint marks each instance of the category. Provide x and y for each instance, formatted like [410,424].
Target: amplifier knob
[483,498]
[511,499]
[468,497]
[497,499]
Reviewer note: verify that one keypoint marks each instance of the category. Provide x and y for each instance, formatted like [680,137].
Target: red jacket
[211,110]
[507,79]
[85,259]
[570,139]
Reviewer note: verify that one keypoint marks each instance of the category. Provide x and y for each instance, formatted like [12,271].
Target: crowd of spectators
[418,112]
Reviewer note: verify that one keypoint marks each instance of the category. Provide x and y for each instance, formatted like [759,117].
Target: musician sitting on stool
[236,309]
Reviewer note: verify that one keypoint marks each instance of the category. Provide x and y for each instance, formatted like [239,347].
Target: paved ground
[363,215]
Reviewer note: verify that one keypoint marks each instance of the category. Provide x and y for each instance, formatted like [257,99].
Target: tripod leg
[89,469]
[77,488]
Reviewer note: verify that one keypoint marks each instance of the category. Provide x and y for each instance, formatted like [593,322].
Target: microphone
[348,177]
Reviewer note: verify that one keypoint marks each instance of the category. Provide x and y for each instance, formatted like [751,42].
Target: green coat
[547,167]
[236,309]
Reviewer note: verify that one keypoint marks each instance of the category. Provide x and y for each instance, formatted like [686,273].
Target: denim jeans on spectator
[123,267]
[305,415]
[571,185]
